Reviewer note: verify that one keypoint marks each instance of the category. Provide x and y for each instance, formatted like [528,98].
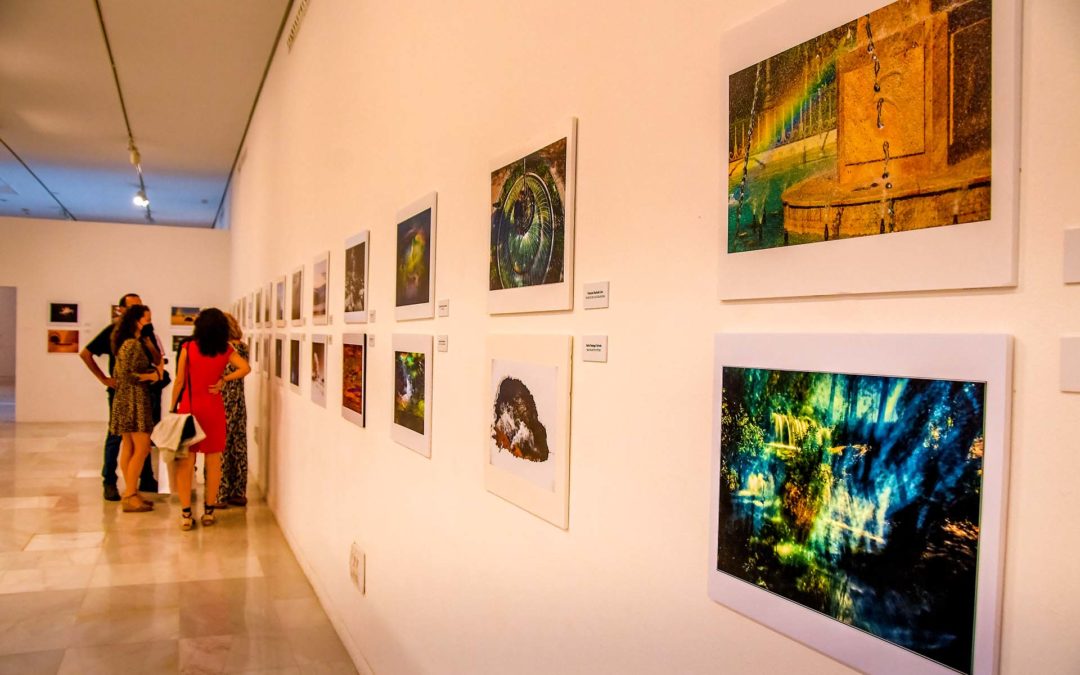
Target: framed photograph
[412,392]
[266,359]
[296,297]
[258,308]
[415,262]
[320,286]
[354,377]
[62,341]
[859,143]
[356,278]
[318,369]
[115,312]
[268,293]
[279,301]
[279,348]
[859,487]
[177,340]
[294,363]
[531,260]
[183,316]
[527,451]
[64,313]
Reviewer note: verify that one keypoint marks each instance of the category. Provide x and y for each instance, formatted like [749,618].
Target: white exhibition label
[597,295]
[371,341]
[444,308]
[443,343]
[371,316]
[1072,255]
[1070,364]
[595,348]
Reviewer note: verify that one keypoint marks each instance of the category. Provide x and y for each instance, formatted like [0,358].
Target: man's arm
[95,369]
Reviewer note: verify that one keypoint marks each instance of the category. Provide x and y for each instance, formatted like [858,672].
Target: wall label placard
[444,307]
[597,295]
[595,348]
[442,343]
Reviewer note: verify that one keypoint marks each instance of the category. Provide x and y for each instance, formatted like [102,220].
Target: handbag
[177,432]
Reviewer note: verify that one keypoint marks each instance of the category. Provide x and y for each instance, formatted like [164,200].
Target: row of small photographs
[533,199]
[66,341]
[65,313]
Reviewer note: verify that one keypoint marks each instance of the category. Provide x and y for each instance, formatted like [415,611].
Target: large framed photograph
[279,301]
[531,260]
[415,262]
[64,313]
[319,355]
[871,148]
[527,450]
[356,277]
[354,377]
[320,287]
[859,487]
[296,297]
[294,362]
[412,392]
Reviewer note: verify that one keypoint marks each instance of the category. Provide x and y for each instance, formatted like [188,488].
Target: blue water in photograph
[858,497]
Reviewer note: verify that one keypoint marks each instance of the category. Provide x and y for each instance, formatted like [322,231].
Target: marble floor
[87,589]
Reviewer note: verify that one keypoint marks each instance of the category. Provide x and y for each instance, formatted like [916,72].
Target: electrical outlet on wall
[357,568]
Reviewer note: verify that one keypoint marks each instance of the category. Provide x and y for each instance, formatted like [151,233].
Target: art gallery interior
[377,104]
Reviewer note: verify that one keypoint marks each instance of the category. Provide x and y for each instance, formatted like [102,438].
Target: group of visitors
[211,365]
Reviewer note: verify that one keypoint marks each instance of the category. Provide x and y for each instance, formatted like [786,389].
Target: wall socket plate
[358,568]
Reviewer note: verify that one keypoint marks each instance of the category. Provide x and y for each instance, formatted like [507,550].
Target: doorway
[7,354]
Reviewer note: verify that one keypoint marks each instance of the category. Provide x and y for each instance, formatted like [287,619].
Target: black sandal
[208,515]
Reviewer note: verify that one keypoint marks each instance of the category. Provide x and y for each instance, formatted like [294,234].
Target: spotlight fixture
[140,199]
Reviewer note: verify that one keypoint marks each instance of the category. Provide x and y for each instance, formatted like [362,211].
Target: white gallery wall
[94,264]
[377,104]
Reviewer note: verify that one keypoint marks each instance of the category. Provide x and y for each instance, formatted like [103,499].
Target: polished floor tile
[85,588]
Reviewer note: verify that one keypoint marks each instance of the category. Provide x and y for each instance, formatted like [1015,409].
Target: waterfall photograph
[857,496]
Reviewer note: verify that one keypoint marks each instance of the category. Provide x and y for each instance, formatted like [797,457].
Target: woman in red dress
[200,374]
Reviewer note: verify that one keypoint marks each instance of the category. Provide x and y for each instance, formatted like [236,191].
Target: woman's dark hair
[126,330]
[211,332]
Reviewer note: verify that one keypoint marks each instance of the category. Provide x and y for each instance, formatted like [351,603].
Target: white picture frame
[318,368]
[280,293]
[296,297]
[527,414]
[414,261]
[354,393]
[508,293]
[970,361]
[320,289]
[412,355]
[65,314]
[296,361]
[951,256]
[277,370]
[268,294]
[357,277]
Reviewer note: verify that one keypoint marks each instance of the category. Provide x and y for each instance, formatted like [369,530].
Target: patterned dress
[234,461]
[131,408]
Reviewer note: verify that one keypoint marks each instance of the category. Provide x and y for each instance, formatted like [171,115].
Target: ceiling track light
[140,199]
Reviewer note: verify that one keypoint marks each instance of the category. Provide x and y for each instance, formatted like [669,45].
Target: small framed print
[61,313]
[279,356]
[357,254]
[294,363]
[279,301]
[354,377]
[268,293]
[258,308]
[296,297]
[183,316]
[115,312]
[320,287]
[61,341]
[531,257]
[411,426]
[318,369]
[415,262]
[527,451]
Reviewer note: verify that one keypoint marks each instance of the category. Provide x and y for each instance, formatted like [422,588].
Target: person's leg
[185,471]
[147,482]
[213,483]
[108,468]
[135,447]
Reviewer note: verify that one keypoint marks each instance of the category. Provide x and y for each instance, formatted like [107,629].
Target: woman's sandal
[187,521]
[208,515]
[134,504]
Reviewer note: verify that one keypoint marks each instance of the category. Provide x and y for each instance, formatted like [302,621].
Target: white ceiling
[189,72]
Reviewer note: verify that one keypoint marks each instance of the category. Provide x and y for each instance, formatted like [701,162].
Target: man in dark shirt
[99,346]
